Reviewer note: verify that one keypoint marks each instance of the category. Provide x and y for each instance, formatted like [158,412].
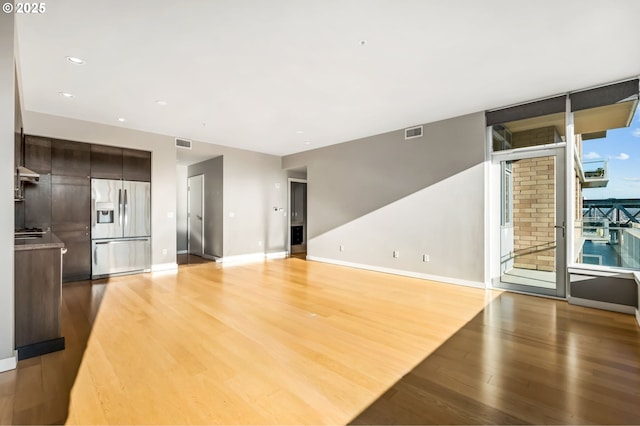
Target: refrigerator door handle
[126,208]
[120,207]
[120,241]
[94,213]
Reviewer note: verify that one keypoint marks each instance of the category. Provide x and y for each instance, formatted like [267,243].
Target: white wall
[253,184]
[7,114]
[163,170]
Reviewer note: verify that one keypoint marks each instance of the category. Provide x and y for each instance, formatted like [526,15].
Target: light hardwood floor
[296,342]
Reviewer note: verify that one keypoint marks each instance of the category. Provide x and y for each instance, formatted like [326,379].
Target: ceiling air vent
[183,143]
[413,132]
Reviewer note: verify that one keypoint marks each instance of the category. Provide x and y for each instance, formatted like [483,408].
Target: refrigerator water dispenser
[104,213]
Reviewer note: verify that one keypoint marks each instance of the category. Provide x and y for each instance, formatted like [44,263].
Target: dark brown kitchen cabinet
[37,154]
[70,200]
[106,162]
[77,262]
[70,158]
[37,203]
[136,165]
[38,296]
[70,217]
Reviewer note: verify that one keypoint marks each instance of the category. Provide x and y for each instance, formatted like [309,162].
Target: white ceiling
[257,73]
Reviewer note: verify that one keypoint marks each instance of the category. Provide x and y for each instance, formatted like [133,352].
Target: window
[607,127]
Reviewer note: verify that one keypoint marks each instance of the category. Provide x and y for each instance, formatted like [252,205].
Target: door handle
[120,207]
[560,227]
[126,208]
[199,217]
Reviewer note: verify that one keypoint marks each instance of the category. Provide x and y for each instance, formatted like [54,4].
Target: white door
[196,215]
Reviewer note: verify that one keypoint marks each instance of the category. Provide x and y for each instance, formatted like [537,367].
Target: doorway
[195,215]
[297,237]
[532,221]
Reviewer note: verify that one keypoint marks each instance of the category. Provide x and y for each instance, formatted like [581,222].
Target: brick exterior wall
[534,137]
[534,213]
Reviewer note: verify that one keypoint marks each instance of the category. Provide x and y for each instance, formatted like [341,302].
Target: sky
[622,148]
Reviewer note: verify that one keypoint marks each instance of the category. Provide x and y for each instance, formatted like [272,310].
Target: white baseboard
[164,267]
[210,257]
[253,257]
[9,363]
[182,252]
[638,316]
[614,307]
[448,280]
[277,255]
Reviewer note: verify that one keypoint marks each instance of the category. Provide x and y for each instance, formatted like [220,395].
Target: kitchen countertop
[47,241]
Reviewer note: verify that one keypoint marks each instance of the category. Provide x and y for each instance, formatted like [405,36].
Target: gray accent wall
[617,290]
[7,123]
[420,196]
[212,170]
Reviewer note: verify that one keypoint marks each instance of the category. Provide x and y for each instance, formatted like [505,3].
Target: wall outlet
[341,247]
[260,243]
[396,254]
[164,251]
[425,257]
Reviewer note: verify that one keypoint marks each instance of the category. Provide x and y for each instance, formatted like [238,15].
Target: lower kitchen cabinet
[76,264]
[38,296]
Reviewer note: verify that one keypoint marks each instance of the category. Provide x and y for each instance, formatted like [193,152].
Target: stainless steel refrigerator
[120,227]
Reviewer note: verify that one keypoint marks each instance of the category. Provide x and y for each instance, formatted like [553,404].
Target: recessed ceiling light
[363,42]
[299,132]
[65,94]
[161,103]
[307,143]
[75,61]
[122,120]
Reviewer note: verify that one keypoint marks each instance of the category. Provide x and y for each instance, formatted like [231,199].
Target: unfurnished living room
[320,212]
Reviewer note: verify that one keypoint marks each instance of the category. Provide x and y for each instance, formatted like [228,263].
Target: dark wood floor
[191,259]
[524,360]
[300,255]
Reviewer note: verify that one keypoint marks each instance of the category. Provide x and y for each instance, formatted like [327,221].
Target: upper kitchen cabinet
[136,165]
[37,154]
[106,162]
[70,158]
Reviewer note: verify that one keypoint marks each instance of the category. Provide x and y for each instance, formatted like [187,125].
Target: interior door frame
[289,182]
[189,195]
[560,151]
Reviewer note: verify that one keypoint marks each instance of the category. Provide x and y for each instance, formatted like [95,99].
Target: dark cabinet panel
[77,260]
[37,203]
[37,296]
[136,165]
[37,154]
[70,200]
[70,217]
[70,158]
[106,162]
